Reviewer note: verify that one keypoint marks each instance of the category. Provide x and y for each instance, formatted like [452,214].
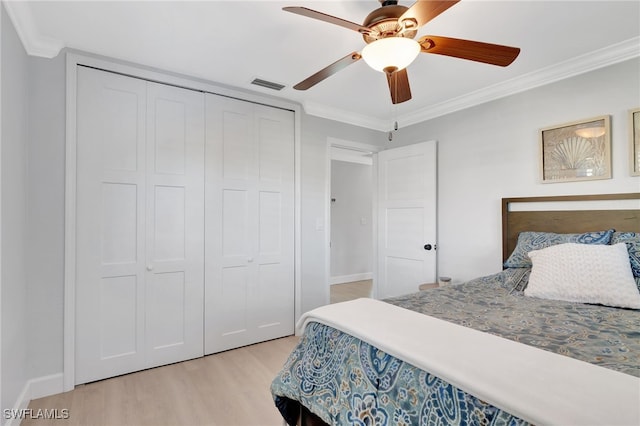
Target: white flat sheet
[541,387]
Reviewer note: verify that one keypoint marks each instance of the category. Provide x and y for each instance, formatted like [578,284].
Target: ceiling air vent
[267,84]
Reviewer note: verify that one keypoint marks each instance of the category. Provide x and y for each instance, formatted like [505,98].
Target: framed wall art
[576,151]
[634,141]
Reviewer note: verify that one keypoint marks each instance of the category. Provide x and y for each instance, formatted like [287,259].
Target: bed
[496,350]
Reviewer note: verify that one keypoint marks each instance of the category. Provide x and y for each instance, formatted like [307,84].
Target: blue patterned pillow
[528,241]
[632,239]
[516,279]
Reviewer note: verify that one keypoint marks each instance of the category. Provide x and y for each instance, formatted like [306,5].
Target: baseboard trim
[34,389]
[20,406]
[46,386]
[341,279]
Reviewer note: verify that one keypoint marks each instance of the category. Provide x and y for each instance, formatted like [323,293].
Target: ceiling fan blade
[328,71]
[423,11]
[310,13]
[399,86]
[494,54]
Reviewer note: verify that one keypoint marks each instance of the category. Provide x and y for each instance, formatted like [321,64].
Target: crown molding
[349,117]
[601,58]
[33,42]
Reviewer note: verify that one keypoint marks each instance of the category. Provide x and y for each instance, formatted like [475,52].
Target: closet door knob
[149,267]
[428,247]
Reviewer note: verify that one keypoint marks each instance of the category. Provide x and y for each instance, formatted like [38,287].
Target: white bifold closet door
[139,224]
[249,290]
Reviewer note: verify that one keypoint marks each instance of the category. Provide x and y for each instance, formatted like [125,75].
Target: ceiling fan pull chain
[395,106]
[395,128]
[393,111]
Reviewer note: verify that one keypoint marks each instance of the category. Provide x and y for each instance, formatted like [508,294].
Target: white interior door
[139,227]
[406,218]
[249,292]
[111,204]
[175,224]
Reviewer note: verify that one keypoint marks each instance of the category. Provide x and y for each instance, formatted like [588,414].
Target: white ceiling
[232,42]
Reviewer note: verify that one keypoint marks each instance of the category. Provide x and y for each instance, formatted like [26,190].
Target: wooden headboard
[566,221]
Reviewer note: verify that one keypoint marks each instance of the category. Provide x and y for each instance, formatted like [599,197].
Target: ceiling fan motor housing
[383,22]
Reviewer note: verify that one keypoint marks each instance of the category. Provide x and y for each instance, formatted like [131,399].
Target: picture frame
[634,142]
[576,151]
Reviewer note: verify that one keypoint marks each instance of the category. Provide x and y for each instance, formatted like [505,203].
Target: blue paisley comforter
[344,380]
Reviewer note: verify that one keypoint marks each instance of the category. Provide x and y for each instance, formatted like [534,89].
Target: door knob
[428,246]
[149,267]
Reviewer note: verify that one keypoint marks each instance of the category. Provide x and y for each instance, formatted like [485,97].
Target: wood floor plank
[226,389]
[350,291]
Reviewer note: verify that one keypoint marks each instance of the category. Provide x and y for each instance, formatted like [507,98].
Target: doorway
[403,220]
[351,230]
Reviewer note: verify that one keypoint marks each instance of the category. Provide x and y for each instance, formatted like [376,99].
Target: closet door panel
[170,223]
[275,140]
[270,224]
[236,142]
[249,231]
[121,103]
[231,316]
[111,181]
[230,182]
[273,303]
[119,336]
[175,223]
[235,232]
[119,223]
[170,131]
[166,301]
[139,226]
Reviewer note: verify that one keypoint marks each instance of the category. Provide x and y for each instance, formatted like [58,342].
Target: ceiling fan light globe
[390,53]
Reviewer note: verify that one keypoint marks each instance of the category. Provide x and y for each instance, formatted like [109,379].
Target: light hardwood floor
[230,388]
[350,291]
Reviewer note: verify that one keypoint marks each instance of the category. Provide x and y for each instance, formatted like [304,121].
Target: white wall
[491,151]
[13,189]
[45,216]
[351,215]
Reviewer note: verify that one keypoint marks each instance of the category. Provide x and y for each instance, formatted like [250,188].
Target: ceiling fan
[389,32]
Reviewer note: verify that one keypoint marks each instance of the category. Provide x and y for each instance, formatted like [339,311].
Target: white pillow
[584,273]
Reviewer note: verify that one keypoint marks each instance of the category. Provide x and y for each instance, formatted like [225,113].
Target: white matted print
[580,150]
